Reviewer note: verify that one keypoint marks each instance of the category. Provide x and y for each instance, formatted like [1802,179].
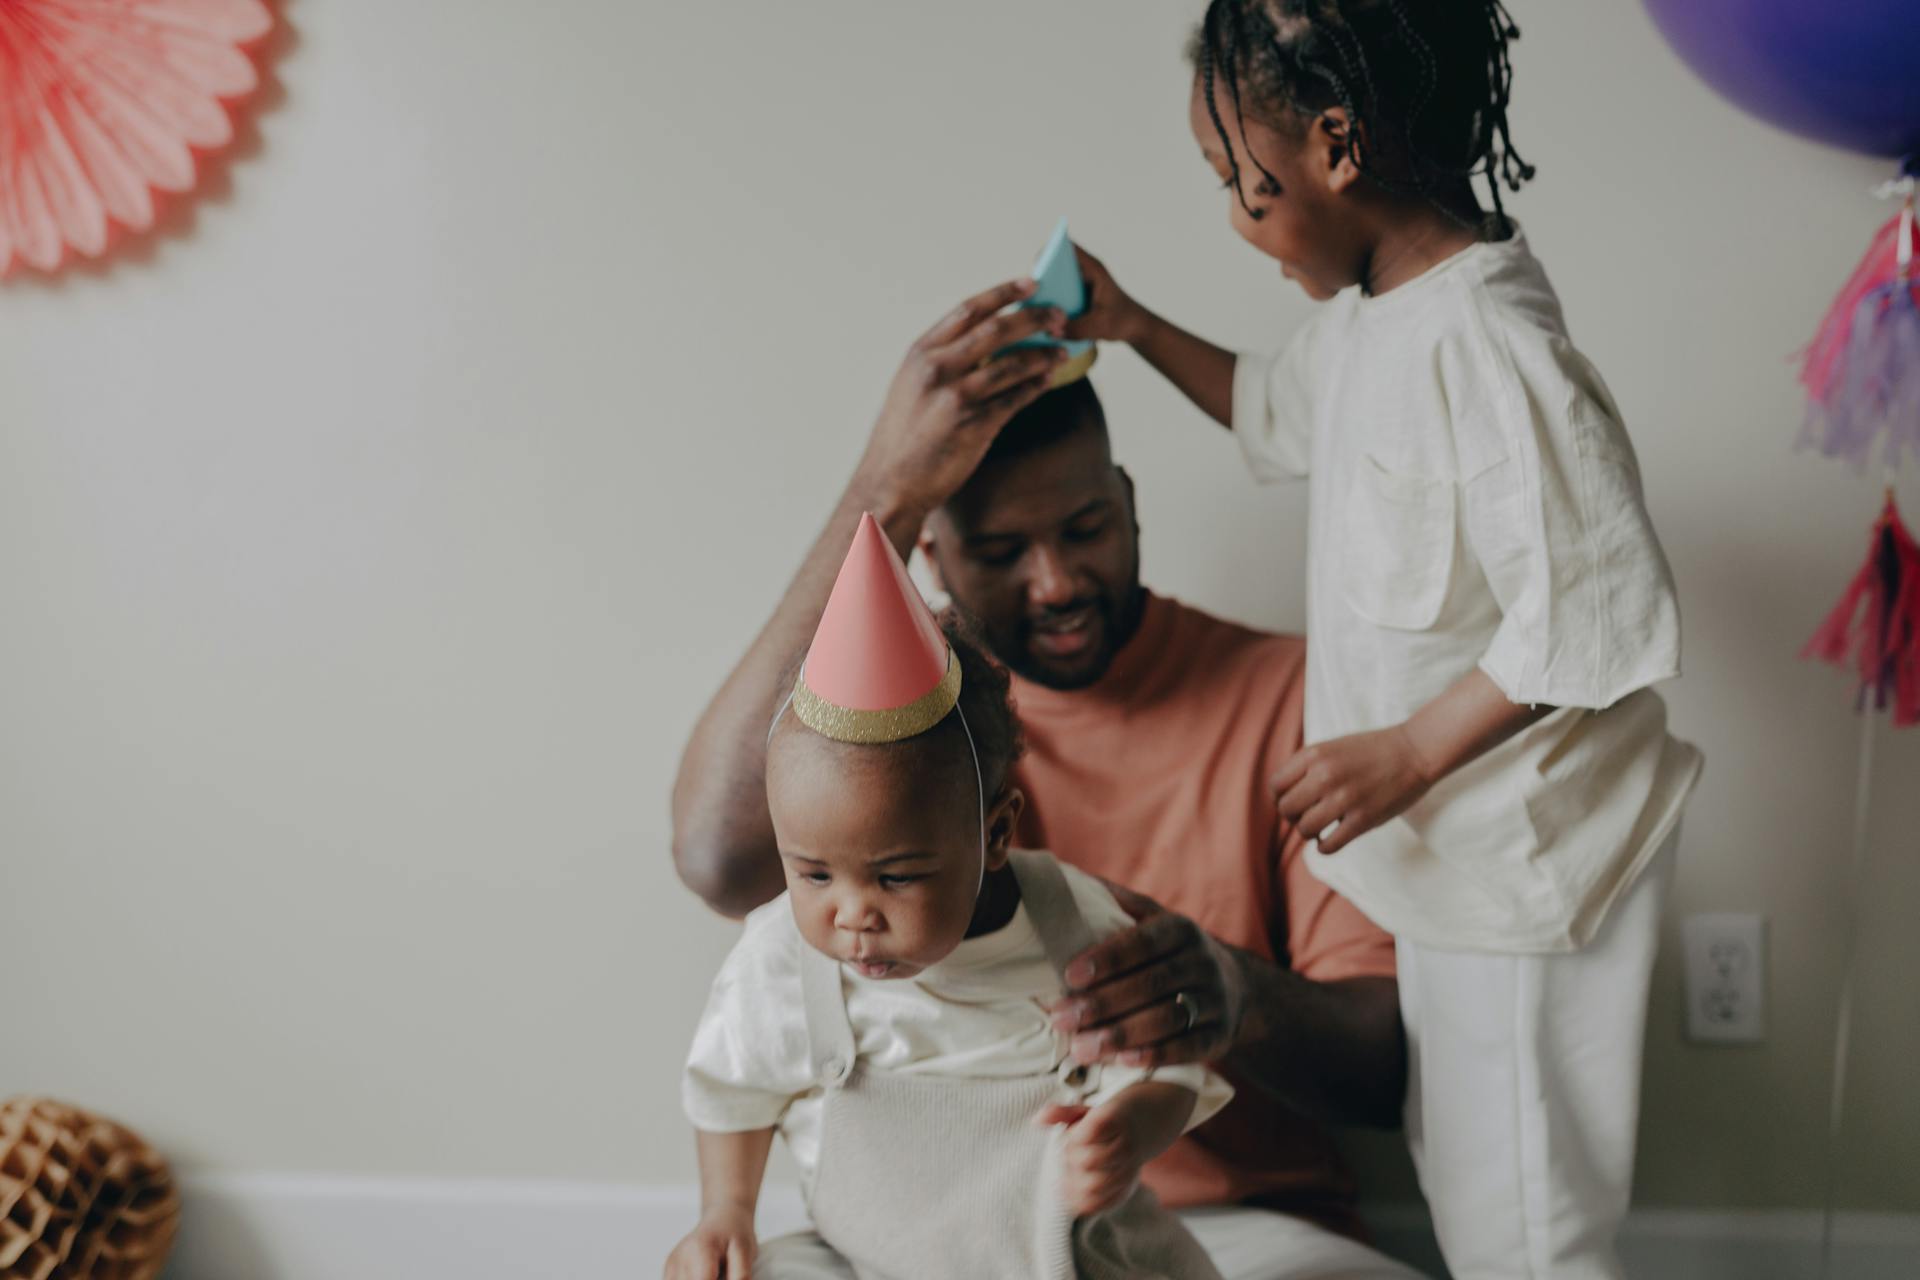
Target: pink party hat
[879,669]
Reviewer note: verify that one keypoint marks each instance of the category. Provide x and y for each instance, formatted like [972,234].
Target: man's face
[1042,552]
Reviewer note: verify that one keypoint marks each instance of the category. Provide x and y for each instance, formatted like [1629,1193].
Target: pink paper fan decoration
[102,102]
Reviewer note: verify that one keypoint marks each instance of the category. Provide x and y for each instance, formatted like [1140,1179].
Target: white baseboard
[268,1226]
[1714,1244]
[301,1227]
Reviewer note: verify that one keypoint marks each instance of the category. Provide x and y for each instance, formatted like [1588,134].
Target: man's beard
[1115,619]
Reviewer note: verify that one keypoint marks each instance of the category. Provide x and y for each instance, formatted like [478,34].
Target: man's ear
[1002,818]
[1133,507]
[933,565]
[1334,137]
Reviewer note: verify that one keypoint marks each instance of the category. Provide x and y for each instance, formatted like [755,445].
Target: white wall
[370,540]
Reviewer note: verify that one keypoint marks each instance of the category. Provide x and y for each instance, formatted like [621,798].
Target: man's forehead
[1037,489]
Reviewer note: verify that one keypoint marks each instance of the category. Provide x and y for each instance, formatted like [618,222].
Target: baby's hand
[1111,316]
[1102,1160]
[722,1247]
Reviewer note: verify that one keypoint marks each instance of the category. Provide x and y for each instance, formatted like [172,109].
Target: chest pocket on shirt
[1396,552]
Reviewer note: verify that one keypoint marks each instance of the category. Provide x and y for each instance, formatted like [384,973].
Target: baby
[887,1014]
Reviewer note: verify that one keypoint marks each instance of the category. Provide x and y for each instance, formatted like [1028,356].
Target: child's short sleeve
[1554,514]
[1273,406]
[1211,1091]
[750,1054]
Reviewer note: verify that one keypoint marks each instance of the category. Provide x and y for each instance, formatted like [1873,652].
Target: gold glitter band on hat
[892,724]
[1074,369]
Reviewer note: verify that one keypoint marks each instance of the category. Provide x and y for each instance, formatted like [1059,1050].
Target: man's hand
[1358,782]
[722,1247]
[948,400]
[1161,993]
[1111,315]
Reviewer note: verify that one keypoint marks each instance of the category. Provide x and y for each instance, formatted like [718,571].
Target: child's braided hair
[1425,85]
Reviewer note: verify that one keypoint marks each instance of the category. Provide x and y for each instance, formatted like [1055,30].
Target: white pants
[1523,1094]
[1245,1244]
[1259,1244]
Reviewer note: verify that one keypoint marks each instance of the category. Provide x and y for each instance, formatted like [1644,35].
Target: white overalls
[939,1178]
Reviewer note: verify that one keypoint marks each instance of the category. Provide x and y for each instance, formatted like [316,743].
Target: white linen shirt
[1475,500]
[978,1013]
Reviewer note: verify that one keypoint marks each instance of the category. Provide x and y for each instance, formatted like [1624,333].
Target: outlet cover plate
[1726,955]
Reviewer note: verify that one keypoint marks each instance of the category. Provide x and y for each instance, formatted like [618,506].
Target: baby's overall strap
[829,1034]
[1064,933]
[1050,906]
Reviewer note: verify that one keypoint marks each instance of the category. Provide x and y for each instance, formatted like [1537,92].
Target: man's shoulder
[1197,631]
[1228,677]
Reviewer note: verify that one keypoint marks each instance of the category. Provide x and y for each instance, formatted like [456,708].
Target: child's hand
[1102,1160]
[1111,316]
[1358,781]
[722,1247]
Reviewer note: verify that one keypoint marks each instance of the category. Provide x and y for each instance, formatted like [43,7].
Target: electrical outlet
[1726,977]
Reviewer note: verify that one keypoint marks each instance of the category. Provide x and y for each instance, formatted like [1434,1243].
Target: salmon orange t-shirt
[1155,778]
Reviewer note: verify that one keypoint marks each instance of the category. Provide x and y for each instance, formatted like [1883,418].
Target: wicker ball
[80,1197]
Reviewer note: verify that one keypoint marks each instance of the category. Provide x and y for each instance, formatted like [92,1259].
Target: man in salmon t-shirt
[1151,729]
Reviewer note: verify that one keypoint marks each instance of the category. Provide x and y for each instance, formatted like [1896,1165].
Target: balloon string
[1843,1022]
[1903,252]
[1903,187]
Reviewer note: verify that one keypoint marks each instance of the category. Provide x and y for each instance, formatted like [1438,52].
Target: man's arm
[1166,992]
[1333,1050]
[941,413]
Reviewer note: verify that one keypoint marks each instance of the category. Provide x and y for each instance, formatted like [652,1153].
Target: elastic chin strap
[979,781]
[980,790]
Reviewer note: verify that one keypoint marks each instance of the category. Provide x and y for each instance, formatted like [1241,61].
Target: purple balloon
[1845,72]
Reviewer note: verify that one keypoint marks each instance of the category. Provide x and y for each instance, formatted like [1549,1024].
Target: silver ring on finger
[1185,1001]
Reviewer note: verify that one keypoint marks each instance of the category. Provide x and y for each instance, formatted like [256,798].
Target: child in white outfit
[1489,774]
[888,1013]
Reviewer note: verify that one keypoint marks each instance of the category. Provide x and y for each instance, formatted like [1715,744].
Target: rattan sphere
[81,1198]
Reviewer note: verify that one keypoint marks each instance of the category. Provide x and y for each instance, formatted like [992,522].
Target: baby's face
[881,849]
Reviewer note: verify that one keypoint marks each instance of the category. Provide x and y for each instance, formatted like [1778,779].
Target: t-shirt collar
[962,967]
[1479,256]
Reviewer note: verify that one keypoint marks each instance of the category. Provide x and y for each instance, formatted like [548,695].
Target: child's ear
[1001,820]
[1334,138]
